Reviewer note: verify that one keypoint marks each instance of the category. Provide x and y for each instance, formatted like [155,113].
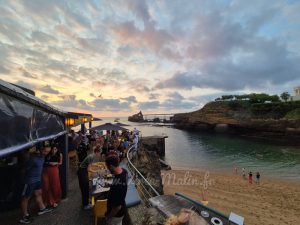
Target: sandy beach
[272,202]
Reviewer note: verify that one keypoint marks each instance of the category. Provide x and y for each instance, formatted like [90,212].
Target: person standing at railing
[135,142]
[116,206]
[135,131]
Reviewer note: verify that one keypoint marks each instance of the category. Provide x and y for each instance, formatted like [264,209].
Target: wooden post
[63,146]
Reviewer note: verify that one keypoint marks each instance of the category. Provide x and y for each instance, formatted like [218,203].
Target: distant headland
[253,115]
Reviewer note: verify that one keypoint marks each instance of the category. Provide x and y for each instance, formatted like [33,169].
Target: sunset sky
[114,58]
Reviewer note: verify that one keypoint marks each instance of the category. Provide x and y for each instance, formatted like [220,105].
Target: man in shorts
[33,183]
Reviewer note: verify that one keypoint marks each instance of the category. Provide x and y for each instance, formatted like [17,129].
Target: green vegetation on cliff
[254,115]
[276,110]
[261,106]
[252,98]
[237,109]
[293,115]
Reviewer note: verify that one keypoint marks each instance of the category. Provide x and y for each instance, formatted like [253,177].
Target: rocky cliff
[136,117]
[148,163]
[257,120]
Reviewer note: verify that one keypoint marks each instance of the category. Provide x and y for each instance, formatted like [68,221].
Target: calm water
[218,152]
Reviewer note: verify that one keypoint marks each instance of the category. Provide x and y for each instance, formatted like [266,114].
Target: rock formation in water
[264,120]
[136,117]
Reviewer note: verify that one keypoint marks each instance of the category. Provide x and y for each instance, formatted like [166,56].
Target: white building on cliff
[296,96]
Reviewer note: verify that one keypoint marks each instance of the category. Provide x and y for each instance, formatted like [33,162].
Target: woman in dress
[51,181]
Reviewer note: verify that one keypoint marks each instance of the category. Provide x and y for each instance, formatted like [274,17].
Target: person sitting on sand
[250,177]
[257,177]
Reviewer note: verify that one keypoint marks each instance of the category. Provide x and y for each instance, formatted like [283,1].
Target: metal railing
[143,185]
[147,191]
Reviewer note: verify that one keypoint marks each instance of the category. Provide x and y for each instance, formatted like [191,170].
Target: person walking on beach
[33,184]
[250,177]
[236,170]
[257,177]
[83,177]
[244,173]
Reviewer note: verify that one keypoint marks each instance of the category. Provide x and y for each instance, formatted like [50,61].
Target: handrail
[139,173]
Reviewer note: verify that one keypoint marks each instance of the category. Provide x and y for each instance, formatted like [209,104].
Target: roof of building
[21,94]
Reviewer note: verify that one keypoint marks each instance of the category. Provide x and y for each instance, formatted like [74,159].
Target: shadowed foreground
[69,212]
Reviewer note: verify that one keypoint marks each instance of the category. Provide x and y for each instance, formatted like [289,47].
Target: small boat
[117,120]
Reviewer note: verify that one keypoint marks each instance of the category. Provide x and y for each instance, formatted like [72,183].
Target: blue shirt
[126,144]
[34,169]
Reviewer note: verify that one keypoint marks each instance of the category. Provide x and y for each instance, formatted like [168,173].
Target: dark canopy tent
[109,126]
[25,121]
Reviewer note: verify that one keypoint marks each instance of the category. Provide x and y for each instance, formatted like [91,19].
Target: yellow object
[109,176]
[204,202]
[96,168]
[69,122]
[73,158]
[100,209]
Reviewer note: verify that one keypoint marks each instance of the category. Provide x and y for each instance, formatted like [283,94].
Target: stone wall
[155,144]
[148,163]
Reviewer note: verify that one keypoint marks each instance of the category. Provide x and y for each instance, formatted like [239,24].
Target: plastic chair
[100,209]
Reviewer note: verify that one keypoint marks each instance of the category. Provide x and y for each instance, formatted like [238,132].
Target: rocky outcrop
[155,144]
[148,163]
[136,117]
[223,117]
[142,215]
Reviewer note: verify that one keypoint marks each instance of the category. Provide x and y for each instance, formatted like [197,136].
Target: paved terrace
[69,211]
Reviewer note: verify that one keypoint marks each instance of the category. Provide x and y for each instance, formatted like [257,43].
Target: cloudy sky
[113,58]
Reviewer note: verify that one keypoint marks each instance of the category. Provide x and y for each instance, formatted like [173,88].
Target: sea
[219,152]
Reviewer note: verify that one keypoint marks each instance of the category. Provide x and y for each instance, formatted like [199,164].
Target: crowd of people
[110,148]
[112,141]
[42,178]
